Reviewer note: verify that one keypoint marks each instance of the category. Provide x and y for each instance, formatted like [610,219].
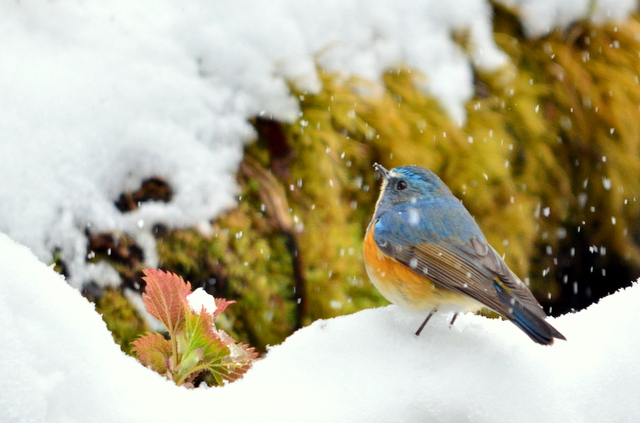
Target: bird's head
[407,184]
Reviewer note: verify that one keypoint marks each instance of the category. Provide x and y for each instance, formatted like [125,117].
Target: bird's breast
[405,287]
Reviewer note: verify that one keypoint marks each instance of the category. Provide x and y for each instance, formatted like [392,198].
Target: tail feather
[535,327]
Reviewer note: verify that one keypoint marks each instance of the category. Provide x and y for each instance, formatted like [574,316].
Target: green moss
[330,191]
[243,259]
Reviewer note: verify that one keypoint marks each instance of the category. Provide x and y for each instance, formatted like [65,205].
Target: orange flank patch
[406,287]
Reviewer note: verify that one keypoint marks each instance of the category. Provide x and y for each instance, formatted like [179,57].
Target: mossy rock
[547,162]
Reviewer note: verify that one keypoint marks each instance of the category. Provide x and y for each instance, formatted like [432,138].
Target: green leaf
[198,336]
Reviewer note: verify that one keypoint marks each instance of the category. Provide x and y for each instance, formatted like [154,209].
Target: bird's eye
[401,185]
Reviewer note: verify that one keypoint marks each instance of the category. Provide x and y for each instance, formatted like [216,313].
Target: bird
[425,252]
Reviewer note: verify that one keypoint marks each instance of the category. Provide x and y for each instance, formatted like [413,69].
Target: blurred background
[531,116]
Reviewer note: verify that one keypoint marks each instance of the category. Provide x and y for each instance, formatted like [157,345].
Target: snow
[98,96]
[60,364]
[199,298]
[540,17]
[92,106]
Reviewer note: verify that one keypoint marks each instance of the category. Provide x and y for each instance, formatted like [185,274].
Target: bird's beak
[384,173]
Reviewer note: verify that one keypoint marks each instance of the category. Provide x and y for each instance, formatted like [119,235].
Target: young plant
[195,345]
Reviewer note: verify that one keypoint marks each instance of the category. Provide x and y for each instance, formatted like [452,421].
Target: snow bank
[58,363]
[94,101]
[540,17]
[98,96]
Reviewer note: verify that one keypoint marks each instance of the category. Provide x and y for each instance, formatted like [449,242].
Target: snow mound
[60,364]
[97,97]
[540,17]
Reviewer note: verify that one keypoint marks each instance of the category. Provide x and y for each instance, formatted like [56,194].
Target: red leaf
[165,298]
[243,358]
[153,351]
[221,305]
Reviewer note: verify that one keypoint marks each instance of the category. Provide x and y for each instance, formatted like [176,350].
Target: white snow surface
[97,96]
[58,363]
[540,17]
[200,299]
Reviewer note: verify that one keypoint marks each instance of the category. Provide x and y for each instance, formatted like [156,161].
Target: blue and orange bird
[424,252]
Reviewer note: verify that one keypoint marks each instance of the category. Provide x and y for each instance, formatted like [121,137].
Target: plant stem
[174,355]
[190,372]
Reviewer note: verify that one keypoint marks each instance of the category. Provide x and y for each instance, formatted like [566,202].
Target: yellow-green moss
[540,129]
[244,259]
[579,150]
[547,140]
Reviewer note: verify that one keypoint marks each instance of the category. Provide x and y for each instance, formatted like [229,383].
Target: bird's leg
[424,323]
[453,319]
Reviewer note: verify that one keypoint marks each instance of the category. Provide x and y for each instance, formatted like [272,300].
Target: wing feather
[470,269]
[492,261]
[449,270]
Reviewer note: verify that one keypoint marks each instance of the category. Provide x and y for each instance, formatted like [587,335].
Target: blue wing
[443,241]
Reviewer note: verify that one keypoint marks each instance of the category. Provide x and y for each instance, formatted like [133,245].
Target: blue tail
[531,324]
